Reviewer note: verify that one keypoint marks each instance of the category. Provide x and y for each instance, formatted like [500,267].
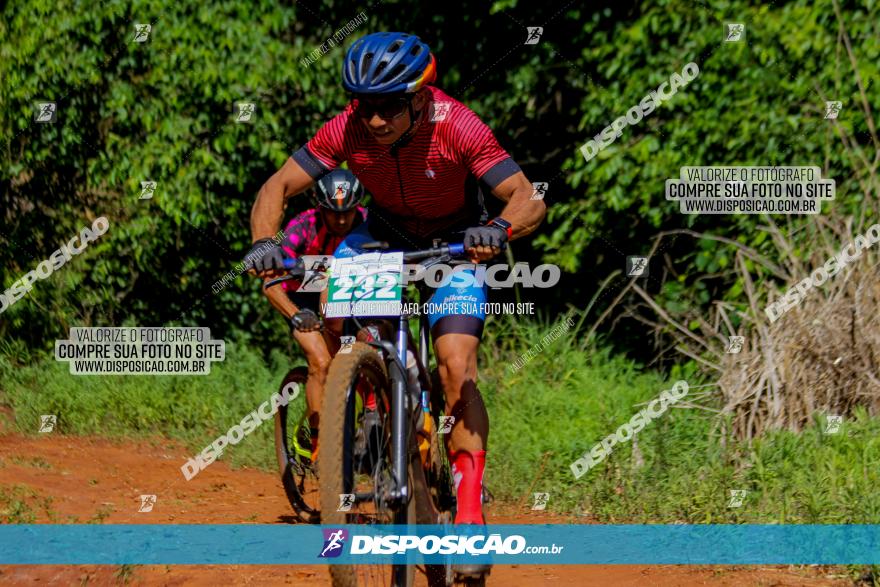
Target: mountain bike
[372,456]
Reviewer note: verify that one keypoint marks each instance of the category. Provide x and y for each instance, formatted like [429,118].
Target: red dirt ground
[94,479]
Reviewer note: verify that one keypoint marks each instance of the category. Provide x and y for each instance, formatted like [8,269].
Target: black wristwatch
[503,224]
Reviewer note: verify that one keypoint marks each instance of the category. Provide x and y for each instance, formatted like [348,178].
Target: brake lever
[278,280]
[437,260]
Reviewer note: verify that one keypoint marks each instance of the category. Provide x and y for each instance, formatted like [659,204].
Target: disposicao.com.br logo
[450,544]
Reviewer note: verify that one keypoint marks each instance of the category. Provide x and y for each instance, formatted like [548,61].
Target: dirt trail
[91,479]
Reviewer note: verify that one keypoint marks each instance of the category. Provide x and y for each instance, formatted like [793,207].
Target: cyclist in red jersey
[317,231]
[413,147]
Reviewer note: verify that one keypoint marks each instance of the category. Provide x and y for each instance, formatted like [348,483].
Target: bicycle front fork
[400,416]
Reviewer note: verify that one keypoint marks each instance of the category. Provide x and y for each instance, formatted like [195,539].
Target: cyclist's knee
[455,369]
[319,363]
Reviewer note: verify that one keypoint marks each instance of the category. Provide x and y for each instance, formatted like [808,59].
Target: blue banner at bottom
[499,544]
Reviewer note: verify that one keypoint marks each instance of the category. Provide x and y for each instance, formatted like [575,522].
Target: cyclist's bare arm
[268,210]
[523,213]
[279,300]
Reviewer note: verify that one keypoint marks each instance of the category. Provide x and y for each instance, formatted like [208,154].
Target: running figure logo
[446,423]
[333,543]
[534,33]
[346,500]
[341,190]
[734,32]
[637,266]
[441,110]
[832,424]
[47,423]
[245,111]
[142,32]
[541,500]
[147,190]
[44,112]
[832,109]
[735,344]
[737,496]
[317,272]
[347,343]
[540,188]
[147,503]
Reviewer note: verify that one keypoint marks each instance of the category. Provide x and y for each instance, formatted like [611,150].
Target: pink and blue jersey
[307,235]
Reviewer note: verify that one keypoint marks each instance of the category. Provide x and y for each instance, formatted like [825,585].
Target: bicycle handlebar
[453,250]
[297,269]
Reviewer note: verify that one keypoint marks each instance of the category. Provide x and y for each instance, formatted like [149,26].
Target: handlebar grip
[292,263]
[456,249]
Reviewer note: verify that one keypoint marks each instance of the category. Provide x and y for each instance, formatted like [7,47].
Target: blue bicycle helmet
[387,63]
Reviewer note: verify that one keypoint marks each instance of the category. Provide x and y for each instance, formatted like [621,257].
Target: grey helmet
[339,190]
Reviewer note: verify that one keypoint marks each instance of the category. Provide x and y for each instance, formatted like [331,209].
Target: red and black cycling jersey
[422,184]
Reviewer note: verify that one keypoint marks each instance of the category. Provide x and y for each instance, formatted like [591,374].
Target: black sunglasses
[386,108]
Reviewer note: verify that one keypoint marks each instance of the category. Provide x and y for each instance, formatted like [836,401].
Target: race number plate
[365,285]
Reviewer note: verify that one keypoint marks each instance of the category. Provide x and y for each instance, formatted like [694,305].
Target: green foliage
[19,504]
[163,110]
[194,409]
[758,102]
[538,429]
[688,468]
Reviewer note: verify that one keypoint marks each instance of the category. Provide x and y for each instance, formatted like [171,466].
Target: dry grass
[823,356]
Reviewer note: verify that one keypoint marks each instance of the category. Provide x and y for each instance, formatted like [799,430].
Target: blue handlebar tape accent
[456,249]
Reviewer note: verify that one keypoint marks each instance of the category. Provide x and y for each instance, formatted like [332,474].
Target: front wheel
[355,459]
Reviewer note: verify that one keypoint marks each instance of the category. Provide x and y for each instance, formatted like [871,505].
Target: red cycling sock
[314,437]
[367,393]
[467,472]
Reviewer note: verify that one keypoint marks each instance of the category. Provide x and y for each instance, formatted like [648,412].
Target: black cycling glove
[265,255]
[489,236]
[305,321]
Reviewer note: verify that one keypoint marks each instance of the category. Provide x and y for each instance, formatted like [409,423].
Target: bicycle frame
[401,409]
[395,358]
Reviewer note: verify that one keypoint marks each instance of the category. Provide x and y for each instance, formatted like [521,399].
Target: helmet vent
[398,70]
[365,63]
[395,46]
[416,50]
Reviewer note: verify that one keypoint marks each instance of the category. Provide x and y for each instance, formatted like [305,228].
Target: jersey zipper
[396,155]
